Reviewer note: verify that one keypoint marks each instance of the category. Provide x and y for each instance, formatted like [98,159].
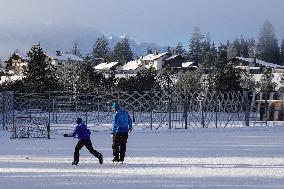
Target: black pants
[88,145]
[119,146]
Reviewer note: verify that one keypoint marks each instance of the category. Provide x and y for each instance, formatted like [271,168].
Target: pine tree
[122,52]
[266,83]
[101,51]
[69,76]
[282,53]
[222,54]
[76,49]
[226,79]
[267,47]
[196,46]
[39,76]
[248,82]
[89,80]
[191,81]
[179,49]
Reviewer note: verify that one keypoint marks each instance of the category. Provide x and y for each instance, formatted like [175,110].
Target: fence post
[49,109]
[247,112]
[170,114]
[202,115]
[185,112]
[216,111]
[86,108]
[266,108]
[3,110]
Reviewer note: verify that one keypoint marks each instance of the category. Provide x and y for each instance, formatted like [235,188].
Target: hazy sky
[163,21]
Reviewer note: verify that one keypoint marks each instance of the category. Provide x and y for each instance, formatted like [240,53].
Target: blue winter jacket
[82,131]
[121,122]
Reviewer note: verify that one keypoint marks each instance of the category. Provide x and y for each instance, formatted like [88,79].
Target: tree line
[213,71]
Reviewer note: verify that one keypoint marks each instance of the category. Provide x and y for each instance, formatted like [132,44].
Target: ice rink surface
[231,158]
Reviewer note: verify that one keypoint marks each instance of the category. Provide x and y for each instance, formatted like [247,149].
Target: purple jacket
[82,131]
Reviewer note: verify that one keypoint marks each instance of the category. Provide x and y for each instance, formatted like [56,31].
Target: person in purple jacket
[84,140]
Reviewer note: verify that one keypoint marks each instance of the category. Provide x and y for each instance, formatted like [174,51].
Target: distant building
[58,58]
[17,63]
[131,67]
[255,66]
[155,60]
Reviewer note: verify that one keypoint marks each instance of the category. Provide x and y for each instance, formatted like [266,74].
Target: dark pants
[88,145]
[119,146]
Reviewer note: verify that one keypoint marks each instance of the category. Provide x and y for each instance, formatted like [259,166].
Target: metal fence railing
[149,109]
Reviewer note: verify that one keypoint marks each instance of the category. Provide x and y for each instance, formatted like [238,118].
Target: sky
[165,22]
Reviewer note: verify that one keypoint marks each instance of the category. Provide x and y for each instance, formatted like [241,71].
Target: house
[17,63]
[58,58]
[174,61]
[131,67]
[155,60]
[255,66]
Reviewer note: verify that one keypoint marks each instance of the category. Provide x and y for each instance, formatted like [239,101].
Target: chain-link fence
[149,109]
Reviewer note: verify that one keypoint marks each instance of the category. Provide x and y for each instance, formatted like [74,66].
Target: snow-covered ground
[201,158]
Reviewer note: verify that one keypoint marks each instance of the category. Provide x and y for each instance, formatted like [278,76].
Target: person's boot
[74,163]
[115,159]
[101,159]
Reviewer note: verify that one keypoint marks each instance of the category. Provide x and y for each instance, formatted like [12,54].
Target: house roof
[152,57]
[261,62]
[21,55]
[174,57]
[132,65]
[187,64]
[65,57]
[105,65]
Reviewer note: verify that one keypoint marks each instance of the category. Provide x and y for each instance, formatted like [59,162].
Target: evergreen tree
[222,54]
[226,79]
[251,47]
[282,53]
[89,80]
[76,49]
[248,82]
[196,45]
[192,81]
[267,47]
[266,83]
[39,76]
[101,51]
[179,49]
[209,54]
[145,80]
[69,76]
[122,52]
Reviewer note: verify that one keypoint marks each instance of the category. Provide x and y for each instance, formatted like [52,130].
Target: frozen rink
[231,158]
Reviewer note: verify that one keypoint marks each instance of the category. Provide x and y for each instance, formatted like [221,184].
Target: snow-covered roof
[152,57]
[254,68]
[250,60]
[267,64]
[261,62]
[22,55]
[172,57]
[187,64]
[132,65]
[65,57]
[105,65]
[10,78]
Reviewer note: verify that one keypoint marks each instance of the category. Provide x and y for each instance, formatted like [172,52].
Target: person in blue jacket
[84,140]
[121,125]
